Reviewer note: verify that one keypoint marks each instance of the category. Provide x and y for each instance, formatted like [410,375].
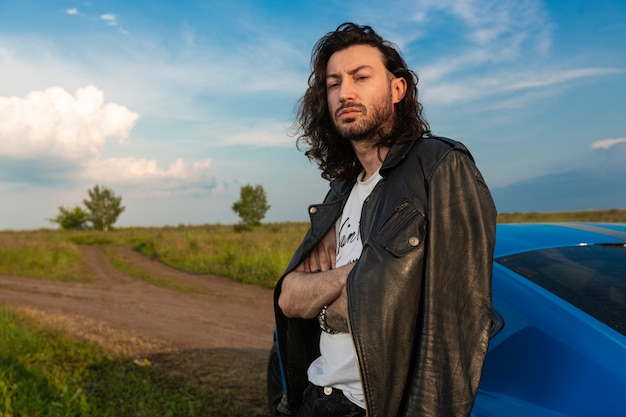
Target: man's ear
[398,89]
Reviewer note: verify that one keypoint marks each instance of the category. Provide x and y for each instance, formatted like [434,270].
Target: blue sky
[176,105]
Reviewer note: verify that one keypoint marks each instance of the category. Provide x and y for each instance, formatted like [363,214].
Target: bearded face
[361,93]
[357,121]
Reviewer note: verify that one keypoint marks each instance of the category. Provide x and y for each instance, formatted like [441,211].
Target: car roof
[521,237]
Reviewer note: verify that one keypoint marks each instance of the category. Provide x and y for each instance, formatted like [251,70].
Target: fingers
[326,251]
[324,260]
[330,245]
[323,257]
[331,252]
[316,264]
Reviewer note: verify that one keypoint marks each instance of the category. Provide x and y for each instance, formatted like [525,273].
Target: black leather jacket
[419,298]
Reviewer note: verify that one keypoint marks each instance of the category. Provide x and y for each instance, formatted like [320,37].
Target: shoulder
[438,145]
[430,151]
[424,155]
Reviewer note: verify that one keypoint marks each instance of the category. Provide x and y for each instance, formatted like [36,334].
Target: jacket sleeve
[453,333]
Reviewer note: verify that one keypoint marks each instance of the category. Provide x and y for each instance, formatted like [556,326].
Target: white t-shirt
[337,366]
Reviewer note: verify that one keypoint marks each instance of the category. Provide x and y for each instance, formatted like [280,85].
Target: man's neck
[370,155]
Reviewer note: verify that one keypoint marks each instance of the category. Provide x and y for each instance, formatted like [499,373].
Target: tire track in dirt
[226,315]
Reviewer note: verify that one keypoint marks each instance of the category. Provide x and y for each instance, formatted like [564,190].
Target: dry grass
[603,216]
[113,340]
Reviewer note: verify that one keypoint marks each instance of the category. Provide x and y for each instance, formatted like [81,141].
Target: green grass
[42,259]
[121,263]
[256,256]
[44,372]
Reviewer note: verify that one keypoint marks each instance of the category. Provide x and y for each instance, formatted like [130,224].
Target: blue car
[558,342]
[558,345]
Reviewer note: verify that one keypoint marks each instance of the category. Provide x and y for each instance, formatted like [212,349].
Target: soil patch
[222,334]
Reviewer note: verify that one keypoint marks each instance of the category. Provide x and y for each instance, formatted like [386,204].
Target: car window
[592,278]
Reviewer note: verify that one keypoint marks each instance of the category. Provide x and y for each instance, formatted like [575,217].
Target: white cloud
[261,134]
[557,77]
[607,143]
[491,22]
[56,124]
[146,174]
[493,33]
[508,82]
[109,18]
[72,11]
[499,27]
[55,133]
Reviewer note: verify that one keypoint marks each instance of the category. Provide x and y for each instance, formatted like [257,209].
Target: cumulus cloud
[607,143]
[146,175]
[52,136]
[56,124]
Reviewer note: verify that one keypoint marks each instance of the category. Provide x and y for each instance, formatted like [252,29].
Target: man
[396,321]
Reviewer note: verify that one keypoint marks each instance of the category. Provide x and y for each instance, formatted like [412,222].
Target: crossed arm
[316,283]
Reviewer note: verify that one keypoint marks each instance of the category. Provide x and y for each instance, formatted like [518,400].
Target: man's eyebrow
[351,72]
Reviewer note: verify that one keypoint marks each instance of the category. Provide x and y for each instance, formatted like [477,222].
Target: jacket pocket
[404,230]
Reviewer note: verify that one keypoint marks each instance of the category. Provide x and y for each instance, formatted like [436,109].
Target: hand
[323,257]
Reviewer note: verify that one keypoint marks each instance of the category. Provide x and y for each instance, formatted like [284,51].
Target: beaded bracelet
[321,318]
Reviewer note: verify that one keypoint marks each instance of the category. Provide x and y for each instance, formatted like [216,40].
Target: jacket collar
[340,189]
[396,154]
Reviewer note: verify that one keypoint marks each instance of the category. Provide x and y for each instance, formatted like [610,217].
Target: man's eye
[333,85]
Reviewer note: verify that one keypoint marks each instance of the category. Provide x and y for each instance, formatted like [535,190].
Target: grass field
[47,372]
[256,256]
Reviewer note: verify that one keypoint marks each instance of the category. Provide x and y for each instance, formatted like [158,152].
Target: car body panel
[550,358]
[522,237]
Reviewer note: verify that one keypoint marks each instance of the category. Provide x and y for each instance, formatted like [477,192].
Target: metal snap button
[313,210]
[414,241]
[328,390]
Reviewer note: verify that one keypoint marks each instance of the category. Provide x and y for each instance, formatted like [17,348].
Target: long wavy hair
[333,154]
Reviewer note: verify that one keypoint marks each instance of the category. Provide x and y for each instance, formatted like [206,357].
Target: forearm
[337,313]
[303,294]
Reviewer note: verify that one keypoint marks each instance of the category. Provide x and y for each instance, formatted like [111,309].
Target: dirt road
[228,320]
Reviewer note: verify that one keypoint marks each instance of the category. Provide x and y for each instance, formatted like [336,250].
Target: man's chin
[355,136]
[349,129]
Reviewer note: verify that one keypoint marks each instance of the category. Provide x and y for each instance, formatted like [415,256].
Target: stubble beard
[371,126]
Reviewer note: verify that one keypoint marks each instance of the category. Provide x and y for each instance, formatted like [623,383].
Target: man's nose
[346,91]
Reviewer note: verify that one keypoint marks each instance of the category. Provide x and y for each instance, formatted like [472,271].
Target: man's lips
[349,111]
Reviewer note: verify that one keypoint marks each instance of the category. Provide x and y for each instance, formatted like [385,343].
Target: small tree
[104,207]
[252,205]
[68,219]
